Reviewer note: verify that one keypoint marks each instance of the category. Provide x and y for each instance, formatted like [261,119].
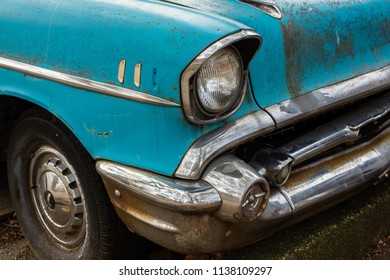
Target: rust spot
[346,46]
[325,40]
[22,58]
[304,49]
[334,164]
[100,134]
[105,134]
[293,64]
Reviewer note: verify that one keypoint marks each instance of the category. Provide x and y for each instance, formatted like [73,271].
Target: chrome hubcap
[57,197]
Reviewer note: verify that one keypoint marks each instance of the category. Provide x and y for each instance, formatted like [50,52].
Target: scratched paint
[316,43]
[329,41]
[99,134]
[89,40]
[313,45]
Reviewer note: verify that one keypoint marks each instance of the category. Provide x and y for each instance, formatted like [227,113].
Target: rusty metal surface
[347,129]
[323,184]
[325,41]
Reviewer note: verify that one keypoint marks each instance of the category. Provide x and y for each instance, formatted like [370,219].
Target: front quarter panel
[88,39]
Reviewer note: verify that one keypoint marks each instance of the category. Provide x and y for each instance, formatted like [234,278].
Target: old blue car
[200,125]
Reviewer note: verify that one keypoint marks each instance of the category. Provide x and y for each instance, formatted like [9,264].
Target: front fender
[88,40]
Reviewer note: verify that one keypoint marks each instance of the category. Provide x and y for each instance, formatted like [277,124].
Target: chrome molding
[344,130]
[85,84]
[324,99]
[194,66]
[273,165]
[221,140]
[179,195]
[285,113]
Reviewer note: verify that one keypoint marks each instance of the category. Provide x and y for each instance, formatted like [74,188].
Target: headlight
[218,82]
[214,84]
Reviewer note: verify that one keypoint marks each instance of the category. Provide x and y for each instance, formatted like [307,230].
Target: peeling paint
[105,134]
[345,48]
[99,134]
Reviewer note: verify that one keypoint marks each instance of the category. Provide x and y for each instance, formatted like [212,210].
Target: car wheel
[59,198]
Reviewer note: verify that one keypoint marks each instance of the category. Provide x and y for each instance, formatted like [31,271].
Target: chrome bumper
[235,203]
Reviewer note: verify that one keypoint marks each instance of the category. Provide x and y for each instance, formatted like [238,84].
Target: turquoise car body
[88,41]
[305,46]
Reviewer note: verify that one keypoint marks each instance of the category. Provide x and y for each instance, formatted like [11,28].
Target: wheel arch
[49,132]
[11,108]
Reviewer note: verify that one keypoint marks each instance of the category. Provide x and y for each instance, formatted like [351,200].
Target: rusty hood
[311,44]
[329,41]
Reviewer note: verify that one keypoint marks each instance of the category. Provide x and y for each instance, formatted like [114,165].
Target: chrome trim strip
[191,70]
[259,123]
[324,99]
[179,195]
[82,83]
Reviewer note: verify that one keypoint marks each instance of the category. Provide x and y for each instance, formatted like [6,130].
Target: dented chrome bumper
[236,202]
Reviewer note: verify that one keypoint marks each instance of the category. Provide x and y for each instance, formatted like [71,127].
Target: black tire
[60,200]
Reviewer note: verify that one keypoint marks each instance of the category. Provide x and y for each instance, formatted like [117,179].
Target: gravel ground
[13,246]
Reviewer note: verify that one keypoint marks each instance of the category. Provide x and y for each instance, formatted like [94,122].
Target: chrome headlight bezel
[245,44]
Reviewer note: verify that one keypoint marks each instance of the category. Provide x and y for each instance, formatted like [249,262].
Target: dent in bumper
[149,205]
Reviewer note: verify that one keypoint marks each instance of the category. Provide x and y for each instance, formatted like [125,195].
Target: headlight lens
[219,81]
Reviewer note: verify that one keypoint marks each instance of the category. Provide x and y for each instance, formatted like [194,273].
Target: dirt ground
[380,251]
[13,246]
